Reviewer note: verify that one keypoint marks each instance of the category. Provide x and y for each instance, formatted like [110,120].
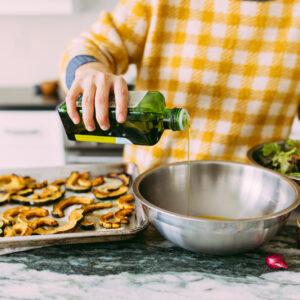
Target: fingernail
[104,127]
[75,121]
[121,117]
[90,128]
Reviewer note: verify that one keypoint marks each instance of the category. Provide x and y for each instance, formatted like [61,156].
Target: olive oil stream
[189,186]
[189,175]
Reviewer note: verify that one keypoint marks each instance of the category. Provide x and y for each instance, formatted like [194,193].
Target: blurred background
[34,34]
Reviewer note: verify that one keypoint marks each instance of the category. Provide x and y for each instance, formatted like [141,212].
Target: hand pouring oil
[147,118]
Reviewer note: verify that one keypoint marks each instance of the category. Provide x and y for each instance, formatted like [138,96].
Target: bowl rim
[257,147]
[287,210]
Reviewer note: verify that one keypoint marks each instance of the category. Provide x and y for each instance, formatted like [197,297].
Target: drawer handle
[20,131]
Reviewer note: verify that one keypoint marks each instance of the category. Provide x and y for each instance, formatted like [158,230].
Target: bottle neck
[176,119]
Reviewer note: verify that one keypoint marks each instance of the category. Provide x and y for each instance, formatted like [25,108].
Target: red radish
[276,261]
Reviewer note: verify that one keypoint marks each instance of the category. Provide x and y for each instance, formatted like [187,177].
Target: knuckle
[102,99]
[123,91]
[103,77]
[122,87]
[121,80]
[71,112]
[87,99]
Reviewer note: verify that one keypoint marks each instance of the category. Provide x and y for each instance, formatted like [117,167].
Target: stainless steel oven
[87,152]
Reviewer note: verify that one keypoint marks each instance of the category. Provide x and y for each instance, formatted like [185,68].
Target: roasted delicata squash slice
[106,193]
[83,179]
[122,215]
[8,232]
[8,215]
[75,217]
[104,221]
[58,208]
[123,201]
[28,180]
[11,183]
[99,205]
[124,177]
[25,192]
[39,201]
[78,183]
[98,181]
[58,182]
[32,213]
[49,191]
[48,221]
[86,225]
[37,185]
[4,197]
[23,229]
[2,225]
[85,175]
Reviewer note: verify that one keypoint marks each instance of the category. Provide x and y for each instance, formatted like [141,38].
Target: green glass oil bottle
[147,118]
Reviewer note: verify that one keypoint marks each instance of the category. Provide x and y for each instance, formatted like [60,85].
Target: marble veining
[149,267]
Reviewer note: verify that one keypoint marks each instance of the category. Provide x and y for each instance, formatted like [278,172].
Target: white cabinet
[36,7]
[53,7]
[30,139]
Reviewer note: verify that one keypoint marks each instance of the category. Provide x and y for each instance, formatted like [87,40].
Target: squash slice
[75,217]
[23,229]
[37,185]
[123,201]
[98,181]
[86,225]
[58,208]
[4,197]
[38,202]
[78,183]
[124,177]
[48,221]
[8,215]
[96,206]
[122,215]
[11,183]
[25,192]
[32,213]
[103,220]
[105,194]
[8,232]
[2,225]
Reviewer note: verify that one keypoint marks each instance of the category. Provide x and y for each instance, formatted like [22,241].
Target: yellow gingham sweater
[235,65]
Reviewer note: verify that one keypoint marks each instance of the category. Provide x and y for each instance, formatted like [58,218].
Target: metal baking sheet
[138,220]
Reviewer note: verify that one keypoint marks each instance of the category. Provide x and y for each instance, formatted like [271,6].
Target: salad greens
[282,157]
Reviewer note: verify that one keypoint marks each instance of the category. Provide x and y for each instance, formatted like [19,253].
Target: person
[234,65]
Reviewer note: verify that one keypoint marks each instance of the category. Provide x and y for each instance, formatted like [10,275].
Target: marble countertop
[149,267]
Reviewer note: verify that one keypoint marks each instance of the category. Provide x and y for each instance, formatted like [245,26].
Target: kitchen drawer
[29,128]
[30,139]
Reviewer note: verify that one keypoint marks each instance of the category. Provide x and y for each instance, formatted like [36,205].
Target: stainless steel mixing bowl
[257,201]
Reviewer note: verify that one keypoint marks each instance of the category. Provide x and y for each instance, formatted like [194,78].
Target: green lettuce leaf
[271,148]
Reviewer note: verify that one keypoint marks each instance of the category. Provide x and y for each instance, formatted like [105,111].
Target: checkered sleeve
[116,39]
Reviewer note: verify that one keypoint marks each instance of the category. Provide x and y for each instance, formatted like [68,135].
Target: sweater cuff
[74,64]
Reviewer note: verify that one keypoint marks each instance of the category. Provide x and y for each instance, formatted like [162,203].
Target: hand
[95,82]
